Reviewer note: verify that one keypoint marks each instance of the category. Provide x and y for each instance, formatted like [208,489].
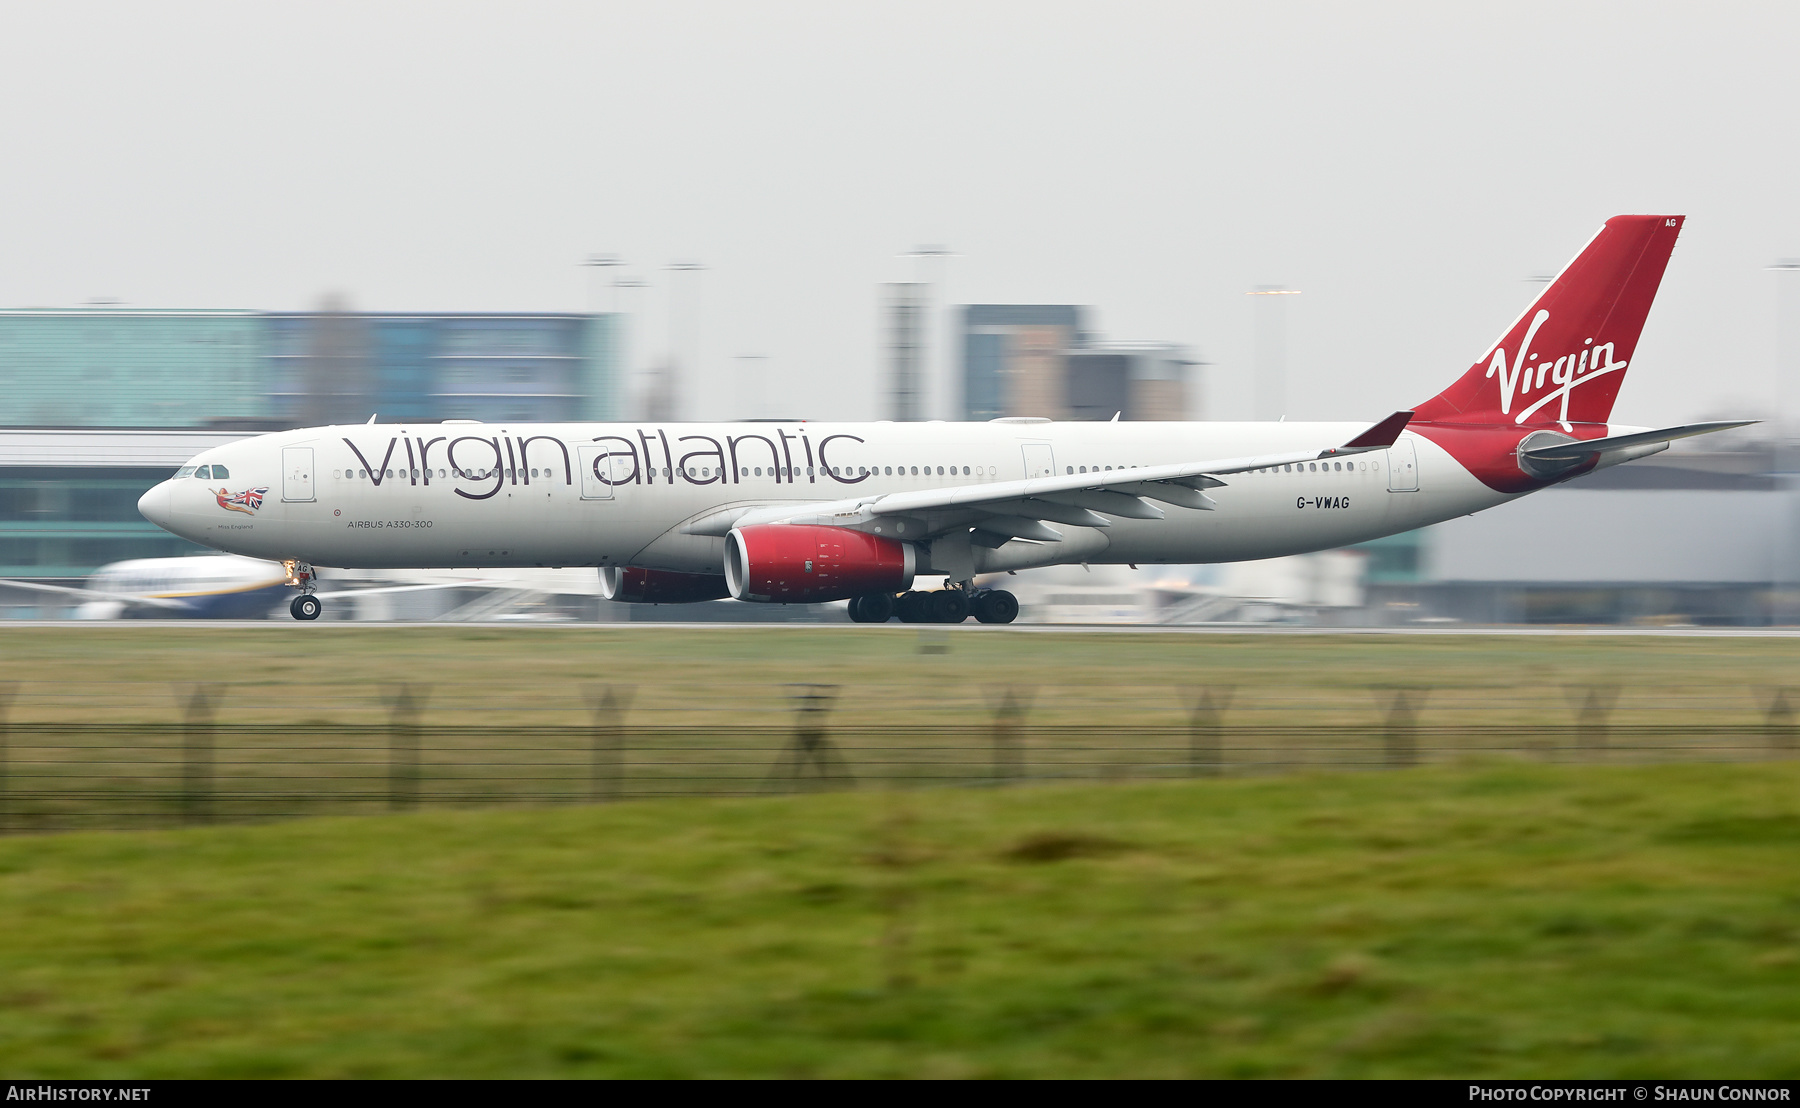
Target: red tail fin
[1563,360]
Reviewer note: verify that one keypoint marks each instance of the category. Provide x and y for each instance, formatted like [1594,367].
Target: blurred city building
[1684,537]
[1041,360]
[112,366]
[171,383]
[68,499]
[903,328]
[107,366]
[1141,380]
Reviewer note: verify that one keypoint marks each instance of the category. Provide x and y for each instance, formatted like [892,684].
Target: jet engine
[802,564]
[635,585]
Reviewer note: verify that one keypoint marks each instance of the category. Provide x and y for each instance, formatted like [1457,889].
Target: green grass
[339,674]
[1451,921]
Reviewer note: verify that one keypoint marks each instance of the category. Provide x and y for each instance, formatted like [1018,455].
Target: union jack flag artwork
[247,501]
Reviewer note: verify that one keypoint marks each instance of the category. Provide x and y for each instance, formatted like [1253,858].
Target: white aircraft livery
[800,512]
[204,587]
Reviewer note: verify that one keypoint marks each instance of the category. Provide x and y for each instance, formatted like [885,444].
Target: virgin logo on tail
[1581,329]
[1563,374]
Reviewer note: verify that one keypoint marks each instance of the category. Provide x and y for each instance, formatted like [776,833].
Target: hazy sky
[1408,166]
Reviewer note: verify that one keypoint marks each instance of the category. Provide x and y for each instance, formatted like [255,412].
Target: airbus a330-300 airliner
[798,512]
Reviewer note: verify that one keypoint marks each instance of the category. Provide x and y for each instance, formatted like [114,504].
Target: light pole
[1271,350]
[1787,352]
[599,262]
[749,385]
[676,326]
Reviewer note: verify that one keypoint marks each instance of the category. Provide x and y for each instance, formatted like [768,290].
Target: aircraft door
[297,473]
[1040,461]
[601,469]
[1403,466]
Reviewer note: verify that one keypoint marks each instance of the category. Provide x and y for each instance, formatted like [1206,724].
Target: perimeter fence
[400,748]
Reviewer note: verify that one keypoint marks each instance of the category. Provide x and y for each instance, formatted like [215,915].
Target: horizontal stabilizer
[1381,436]
[1583,448]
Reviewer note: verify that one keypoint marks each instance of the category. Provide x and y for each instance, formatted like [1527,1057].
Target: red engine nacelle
[635,585]
[801,564]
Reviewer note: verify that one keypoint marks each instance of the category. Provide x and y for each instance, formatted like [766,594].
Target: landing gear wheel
[996,606]
[306,606]
[948,606]
[910,607]
[876,607]
[856,615]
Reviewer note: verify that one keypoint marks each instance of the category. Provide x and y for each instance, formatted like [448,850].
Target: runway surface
[294,627]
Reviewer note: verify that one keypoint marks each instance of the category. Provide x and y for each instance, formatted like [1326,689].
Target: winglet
[1382,435]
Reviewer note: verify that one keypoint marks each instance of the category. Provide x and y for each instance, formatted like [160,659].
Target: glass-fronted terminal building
[82,390]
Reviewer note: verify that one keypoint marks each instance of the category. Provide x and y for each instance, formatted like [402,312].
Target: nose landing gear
[301,576]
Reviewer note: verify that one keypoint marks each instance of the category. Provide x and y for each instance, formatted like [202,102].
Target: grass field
[1452,920]
[302,723]
[336,674]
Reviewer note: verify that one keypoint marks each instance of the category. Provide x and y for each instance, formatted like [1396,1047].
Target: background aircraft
[212,586]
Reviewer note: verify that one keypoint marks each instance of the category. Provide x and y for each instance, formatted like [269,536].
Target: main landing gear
[952,605]
[305,606]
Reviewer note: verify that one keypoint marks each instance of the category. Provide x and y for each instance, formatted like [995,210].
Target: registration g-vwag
[809,512]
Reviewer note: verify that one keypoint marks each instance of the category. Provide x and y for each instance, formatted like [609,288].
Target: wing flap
[1173,492]
[1044,509]
[1018,527]
[1112,502]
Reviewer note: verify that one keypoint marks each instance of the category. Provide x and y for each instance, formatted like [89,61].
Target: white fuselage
[484,495]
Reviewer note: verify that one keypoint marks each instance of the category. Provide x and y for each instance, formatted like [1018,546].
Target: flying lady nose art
[246,502]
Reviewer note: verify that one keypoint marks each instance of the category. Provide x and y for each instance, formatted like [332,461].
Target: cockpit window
[220,473]
[203,471]
[184,471]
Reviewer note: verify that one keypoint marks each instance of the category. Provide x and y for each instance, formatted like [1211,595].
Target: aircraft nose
[154,505]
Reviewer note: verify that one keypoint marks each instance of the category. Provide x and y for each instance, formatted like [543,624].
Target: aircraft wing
[1020,509]
[169,604]
[97,594]
[472,583]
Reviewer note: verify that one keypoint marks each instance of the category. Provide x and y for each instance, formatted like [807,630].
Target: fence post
[606,774]
[1592,706]
[405,702]
[7,689]
[1009,748]
[199,705]
[811,742]
[1400,730]
[1206,718]
[1778,725]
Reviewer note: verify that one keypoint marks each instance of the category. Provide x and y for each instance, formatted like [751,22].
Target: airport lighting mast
[670,385]
[1271,350]
[599,262]
[1782,570]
